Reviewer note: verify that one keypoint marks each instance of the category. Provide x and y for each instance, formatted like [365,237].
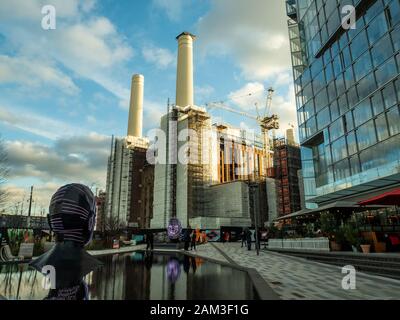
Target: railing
[23,222]
[311,244]
[291,10]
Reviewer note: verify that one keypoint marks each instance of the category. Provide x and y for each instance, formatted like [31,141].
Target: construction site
[208,175]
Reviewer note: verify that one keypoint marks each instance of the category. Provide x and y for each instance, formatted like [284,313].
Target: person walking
[243,238]
[258,239]
[193,241]
[149,241]
[187,238]
[248,239]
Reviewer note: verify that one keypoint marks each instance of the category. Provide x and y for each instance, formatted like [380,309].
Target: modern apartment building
[347,90]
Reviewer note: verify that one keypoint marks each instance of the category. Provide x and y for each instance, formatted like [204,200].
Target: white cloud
[254,32]
[22,71]
[203,92]
[283,105]
[75,159]
[160,57]
[37,124]
[172,8]
[84,43]
[247,96]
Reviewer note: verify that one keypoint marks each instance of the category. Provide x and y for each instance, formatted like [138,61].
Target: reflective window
[382,50]
[373,10]
[381,154]
[349,123]
[386,72]
[369,159]
[362,66]
[307,92]
[377,28]
[362,113]
[336,129]
[342,170]
[366,135]
[319,82]
[339,149]
[397,88]
[396,38]
[352,97]
[343,41]
[394,9]
[309,110]
[329,72]
[340,87]
[337,65]
[311,127]
[382,127]
[359,45]
[321,100]
[377,103]
[355,167]
[349,77]
[334,110]
[351,143]
[323,118]
[389,96]
[366,86]
[394,120]
[343,104]
[346,57]
[332,91]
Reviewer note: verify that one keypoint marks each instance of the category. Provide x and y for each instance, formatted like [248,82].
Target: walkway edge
[264,291]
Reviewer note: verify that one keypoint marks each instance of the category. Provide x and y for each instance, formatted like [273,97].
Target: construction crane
[266,122]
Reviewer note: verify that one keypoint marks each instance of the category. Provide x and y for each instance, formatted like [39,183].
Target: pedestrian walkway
[296,278]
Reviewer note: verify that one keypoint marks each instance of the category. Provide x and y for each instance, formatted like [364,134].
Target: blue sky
[64,92]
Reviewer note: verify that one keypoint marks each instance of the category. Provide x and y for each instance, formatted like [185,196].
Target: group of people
[247,240]
[190,239]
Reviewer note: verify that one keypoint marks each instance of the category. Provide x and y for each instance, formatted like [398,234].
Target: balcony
[291,9]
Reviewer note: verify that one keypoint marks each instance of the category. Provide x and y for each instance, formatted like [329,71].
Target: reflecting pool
[141,276]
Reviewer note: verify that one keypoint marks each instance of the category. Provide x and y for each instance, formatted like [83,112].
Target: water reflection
[141,276]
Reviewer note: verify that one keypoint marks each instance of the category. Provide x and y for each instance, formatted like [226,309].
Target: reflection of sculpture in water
[173,270]
[72,214]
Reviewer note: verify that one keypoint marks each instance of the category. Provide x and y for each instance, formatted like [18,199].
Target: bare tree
[4,171]
[113,227]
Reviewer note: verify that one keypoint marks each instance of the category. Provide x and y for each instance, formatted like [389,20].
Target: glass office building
[347,85]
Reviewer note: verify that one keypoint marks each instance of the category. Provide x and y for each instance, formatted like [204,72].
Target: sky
[65,92]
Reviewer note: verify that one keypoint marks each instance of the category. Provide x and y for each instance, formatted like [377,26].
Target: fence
[311,244]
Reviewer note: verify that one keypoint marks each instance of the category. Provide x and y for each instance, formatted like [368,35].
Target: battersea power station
[206,174]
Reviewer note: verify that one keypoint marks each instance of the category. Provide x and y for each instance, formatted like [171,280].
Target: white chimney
[184,76]
[135,121]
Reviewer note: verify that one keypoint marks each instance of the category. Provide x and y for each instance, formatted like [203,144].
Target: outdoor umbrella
[391,198]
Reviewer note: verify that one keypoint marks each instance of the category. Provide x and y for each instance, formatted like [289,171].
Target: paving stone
[298,278]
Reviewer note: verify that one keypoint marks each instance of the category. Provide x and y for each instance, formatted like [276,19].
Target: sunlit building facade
[347,93]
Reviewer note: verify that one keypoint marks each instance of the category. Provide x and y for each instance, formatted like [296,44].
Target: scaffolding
[199,173]
[287,163]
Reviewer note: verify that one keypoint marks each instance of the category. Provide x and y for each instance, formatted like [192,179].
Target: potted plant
[365,246]
[340,239]
[330,229]
[350,233]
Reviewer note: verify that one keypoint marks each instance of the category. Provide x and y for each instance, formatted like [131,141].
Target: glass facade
[347,90]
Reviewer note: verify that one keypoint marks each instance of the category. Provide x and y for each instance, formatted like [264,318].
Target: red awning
[391,198]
